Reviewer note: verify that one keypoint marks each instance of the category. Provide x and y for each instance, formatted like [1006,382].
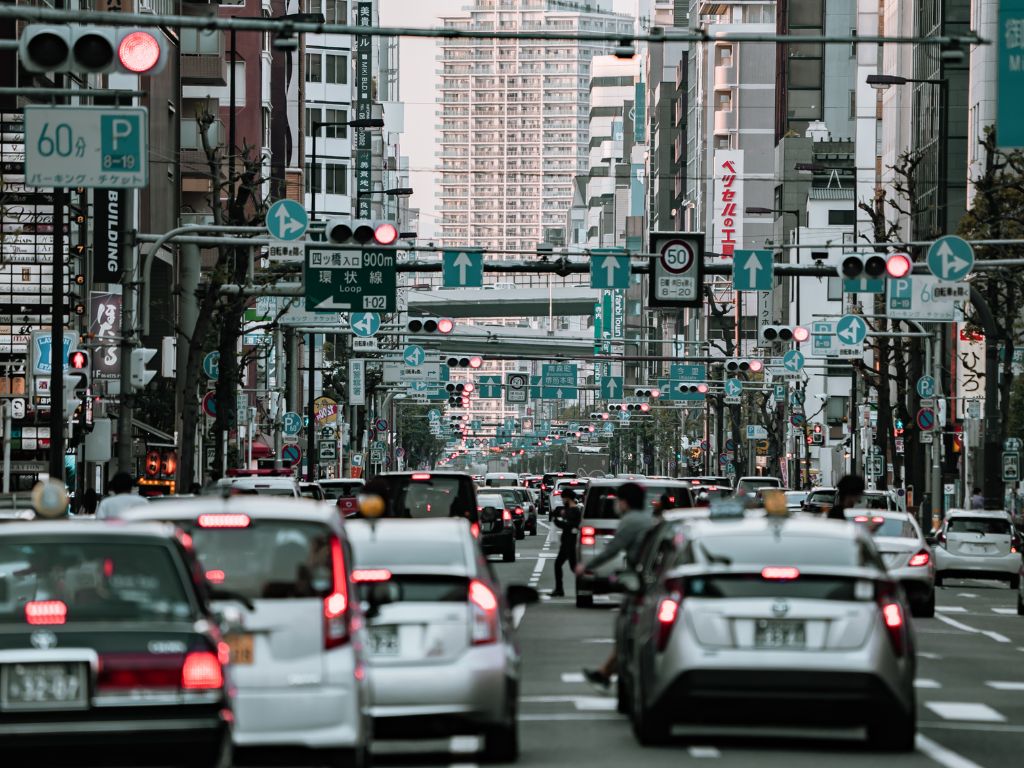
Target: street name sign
[609,268]
[559,381]
[753,271]
[462,269]
[1009,49]
[350,281]
[86,147]
[677,269]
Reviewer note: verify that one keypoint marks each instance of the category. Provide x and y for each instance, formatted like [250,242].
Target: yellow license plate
[241,648]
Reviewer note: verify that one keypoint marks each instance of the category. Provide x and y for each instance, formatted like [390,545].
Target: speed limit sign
[677,269]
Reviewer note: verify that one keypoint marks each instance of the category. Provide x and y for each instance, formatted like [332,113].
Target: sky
[418,82]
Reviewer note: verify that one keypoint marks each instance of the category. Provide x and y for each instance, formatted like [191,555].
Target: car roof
[432,472]
[342,480]
[155,529]
[276,481]
[643,482]
[412,529]
[789,526]
[256,507]
[887,513]
[999,513]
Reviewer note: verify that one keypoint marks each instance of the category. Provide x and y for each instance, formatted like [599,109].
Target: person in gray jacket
[634,522]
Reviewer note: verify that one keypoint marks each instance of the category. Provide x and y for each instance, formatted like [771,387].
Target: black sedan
[109,652]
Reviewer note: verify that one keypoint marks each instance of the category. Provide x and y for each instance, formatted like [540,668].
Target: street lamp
[881,83]
[366,122]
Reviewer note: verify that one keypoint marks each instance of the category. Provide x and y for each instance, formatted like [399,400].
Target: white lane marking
[944,757]
[463,765]
[572,677]
[699,752]
[464,745]
[974,631]
[966,594]
[587,716]
[950,609]
[547,556]
[595,704]
[945,725]
[965,710]
[1005,611]
[1005,685]
[929,655]
[517,615]
[924,682]
[542,524]
[602,640]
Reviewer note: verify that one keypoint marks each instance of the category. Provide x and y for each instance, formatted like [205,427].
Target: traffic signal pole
[57,423]
[128,262]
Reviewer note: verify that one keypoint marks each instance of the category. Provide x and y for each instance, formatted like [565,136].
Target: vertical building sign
[727,209]
[640,114]
[364,109]
[108,217]
[1010,47]
[105,326]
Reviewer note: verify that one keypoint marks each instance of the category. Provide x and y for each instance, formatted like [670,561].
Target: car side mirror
[520,594]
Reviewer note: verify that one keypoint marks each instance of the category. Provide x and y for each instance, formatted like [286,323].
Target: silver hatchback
[755,612]
[978,544]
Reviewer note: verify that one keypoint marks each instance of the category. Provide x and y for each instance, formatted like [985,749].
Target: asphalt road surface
[970,692]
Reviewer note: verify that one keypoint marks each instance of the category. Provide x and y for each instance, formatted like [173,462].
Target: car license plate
[60,685]
[384,641]
[241,648]
[779,634]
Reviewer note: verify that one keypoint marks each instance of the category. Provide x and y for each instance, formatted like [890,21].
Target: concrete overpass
[503,302]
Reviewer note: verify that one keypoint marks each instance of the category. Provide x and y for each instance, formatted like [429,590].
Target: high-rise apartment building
[513,120]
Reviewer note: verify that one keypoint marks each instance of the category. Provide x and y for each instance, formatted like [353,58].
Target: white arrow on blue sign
[609,268]
[753,271]
[951,258]
[462,269]
[365,324]
[793,361]
[287,220]
[733,387]
[851,330]
[611,387]
[414,355]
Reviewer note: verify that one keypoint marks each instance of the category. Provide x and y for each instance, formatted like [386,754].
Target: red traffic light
[475,362]
[702,388]
[801,334]
[898,265]
[385,233]
[78,360]
[139,51]
[445,325]
[756,365]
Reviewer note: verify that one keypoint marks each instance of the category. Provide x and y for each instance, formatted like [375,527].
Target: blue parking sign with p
[121,142]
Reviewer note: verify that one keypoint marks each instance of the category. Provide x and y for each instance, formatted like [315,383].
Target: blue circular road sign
[292,423]
[211,365]
[926,419]
[733,387]
[380,424]
[797,419]
[291,455]
[926,386]
[851,330]
[414,355]
[793,361]
[365,324]
[951,258]
[287,220]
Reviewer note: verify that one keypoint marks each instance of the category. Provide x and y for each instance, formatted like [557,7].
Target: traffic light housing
[464,362]
[140,377]
[797,333]
[368,232]
[642,407]
[818,435]
[95,49]
[453,388]
[743,365]
[701,388]
[857,266]
[647,392]
[442,325]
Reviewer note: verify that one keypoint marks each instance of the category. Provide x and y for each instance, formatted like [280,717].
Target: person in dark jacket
[849,492]
[569,523]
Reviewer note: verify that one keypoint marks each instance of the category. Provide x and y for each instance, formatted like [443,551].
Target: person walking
[634,522]
[849,492]
[977,498]
[89,501]
[569,523]
[121,498]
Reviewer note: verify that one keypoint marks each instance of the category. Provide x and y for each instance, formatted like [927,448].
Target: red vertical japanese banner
[727,209]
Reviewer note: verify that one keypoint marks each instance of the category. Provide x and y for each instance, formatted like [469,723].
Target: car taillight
[780,573]
[336,603]
[134,671]
[224,520]
[587,536]
[484,605]
[892,616]
[587,530]
[506,515]
[519,511]
[474,529]
[668,610]
[46,612]
[921,558]
[1015,544]
[215,576]
[420,475]
[201,671]
[371,574]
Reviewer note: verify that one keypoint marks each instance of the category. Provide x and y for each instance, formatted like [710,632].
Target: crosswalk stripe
[1005,611]
[972,711]
[1005,685]
[951,608]
[944,757]
[699,752]
[924,682]
[572,677]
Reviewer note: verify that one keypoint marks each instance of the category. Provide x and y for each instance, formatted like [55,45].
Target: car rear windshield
[491,500]
[600,503]
[753,585]
[268,560]
[770,549]
[334,491]
[978,525]
[874,502]
[107,581]
[892,527]
[822,497]
[417,588]
[511,498]
[436,496]
[261,490]
[372,552]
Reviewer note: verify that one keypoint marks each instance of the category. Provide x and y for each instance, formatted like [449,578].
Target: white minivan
[496,479]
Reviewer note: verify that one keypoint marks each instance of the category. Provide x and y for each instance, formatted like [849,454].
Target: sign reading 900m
[350,281]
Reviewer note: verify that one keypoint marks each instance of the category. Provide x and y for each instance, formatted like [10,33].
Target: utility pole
[57,422]
[124,418]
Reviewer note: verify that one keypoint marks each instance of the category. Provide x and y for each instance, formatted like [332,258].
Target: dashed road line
[517,615]
[464,745]
[950,609]
[572,677]
[1005,685]
[966,594]
[970,711]
[704,752]
[973,630]
[928,655]
[944,757]
[924,682]
[1005,611]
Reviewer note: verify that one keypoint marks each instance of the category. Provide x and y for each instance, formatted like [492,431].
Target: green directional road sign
[609,268]
[350,281]
[753,271]
[611,387]
[462,269]
[1010,51]
[951,258]
[864,285]
[488,387]
[559,374]
[685,373]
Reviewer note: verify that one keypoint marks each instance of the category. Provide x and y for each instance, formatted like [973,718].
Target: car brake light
[519,511]
[484,603]
[668,610]
[780,573]
[587,541]
[921,558]
[336,603]
[135,671]
[201,670]
[215,576]
[46,612]
[371,574]
[878,520]
[224,520]
[474,528]
[506,515]
[860,519]
[892,616]
[420,475]
[587,530]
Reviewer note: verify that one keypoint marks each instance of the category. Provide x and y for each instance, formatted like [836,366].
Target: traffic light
[647,392]
[741,365]
[642,407]
[898,264]
[80,360]
[452,388]
[431,325]
[797,333]
[83,48]
[858,266]
[693,388]
[140,377]
[464,362]
[897,427]
[818,435]
[361,232]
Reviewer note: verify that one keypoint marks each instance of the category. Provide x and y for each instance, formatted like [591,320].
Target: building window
[312,116]
[314,68]
[722,142]
[337,179]
[835,289]
[723,101]
[336,12]
[723,56]
[842,216]
[335,131]
[337,69]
